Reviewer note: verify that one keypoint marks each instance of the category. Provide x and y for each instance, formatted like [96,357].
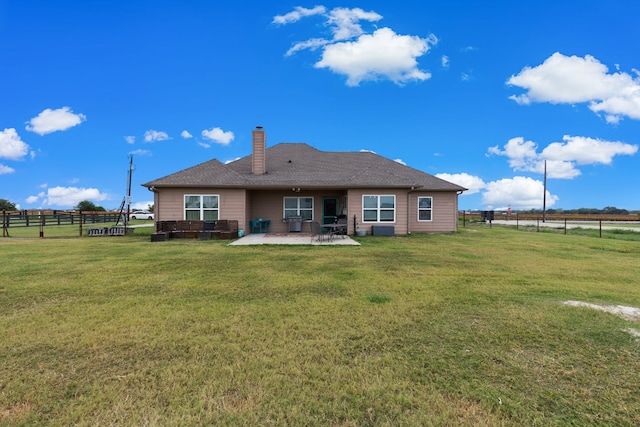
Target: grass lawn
[456,329]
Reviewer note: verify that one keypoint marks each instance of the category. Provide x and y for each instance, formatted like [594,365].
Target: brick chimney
[258,157]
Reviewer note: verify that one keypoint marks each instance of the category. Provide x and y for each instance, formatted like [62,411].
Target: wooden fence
[17,219]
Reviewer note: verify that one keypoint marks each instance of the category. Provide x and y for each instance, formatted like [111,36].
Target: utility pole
[126,201]
[544,195]
[126,218]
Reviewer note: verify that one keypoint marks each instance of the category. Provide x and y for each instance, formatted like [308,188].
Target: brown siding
[355,208]
[170,203]
[444,216]
[270,205]
[445,207]
[245,205]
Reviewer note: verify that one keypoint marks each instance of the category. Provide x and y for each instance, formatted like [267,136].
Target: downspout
[156,199]
[457,208]
[409,209]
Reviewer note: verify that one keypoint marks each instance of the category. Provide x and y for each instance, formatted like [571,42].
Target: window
[201,207]
[425,208]
[378,208]
[299,206]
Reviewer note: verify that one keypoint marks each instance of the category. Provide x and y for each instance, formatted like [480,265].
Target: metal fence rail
[563,222]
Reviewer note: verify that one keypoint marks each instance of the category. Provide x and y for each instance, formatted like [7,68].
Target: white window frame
[298,209]
[429,209]
[378,209]
[201,209]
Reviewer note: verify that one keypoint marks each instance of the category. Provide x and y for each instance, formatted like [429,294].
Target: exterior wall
[270,205]
[444,214]
[246,205]
[169,203]
[355,208]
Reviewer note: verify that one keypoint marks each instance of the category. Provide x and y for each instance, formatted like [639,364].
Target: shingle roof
[300,165]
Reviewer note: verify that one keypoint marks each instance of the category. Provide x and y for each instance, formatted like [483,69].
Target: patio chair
[260,225]
[341,231]
[319,233]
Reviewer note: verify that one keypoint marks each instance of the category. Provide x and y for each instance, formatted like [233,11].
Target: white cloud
[564,79]
[141,205]
[6,169]
[185,134]
[521,153]
[70,196]
[34,199]
[298,13]
[49,121]
[562,157]
[383,54]
[402,162]
[204,144]
[445,61]
[11,146]
[518,192]
[587,151]
[232,160]
[140,152]
[218,136]
[130,139]
[154,135]
[361,56]
[311,44]
[472,183]
[345,23]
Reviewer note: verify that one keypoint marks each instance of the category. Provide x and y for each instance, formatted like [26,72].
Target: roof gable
[212,172]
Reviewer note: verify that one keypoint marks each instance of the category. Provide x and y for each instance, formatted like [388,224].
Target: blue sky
[479,93]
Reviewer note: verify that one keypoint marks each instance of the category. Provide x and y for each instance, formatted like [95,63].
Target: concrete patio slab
[289,239]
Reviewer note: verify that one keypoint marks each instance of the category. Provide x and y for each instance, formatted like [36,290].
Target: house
[296,180]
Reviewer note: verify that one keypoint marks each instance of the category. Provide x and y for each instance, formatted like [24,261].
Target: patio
[290,239]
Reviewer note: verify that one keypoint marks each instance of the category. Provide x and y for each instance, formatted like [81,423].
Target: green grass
[456,329]
[57,231]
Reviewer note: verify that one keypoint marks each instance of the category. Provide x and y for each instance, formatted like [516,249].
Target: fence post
[80,212]
[565,226]
[4,223]
[600,227]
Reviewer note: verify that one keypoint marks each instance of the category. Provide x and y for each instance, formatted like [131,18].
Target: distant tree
[150,207]
[87,205]
[615,211]
[6,205]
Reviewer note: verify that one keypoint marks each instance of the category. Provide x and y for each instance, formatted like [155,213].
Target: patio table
[336,228]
